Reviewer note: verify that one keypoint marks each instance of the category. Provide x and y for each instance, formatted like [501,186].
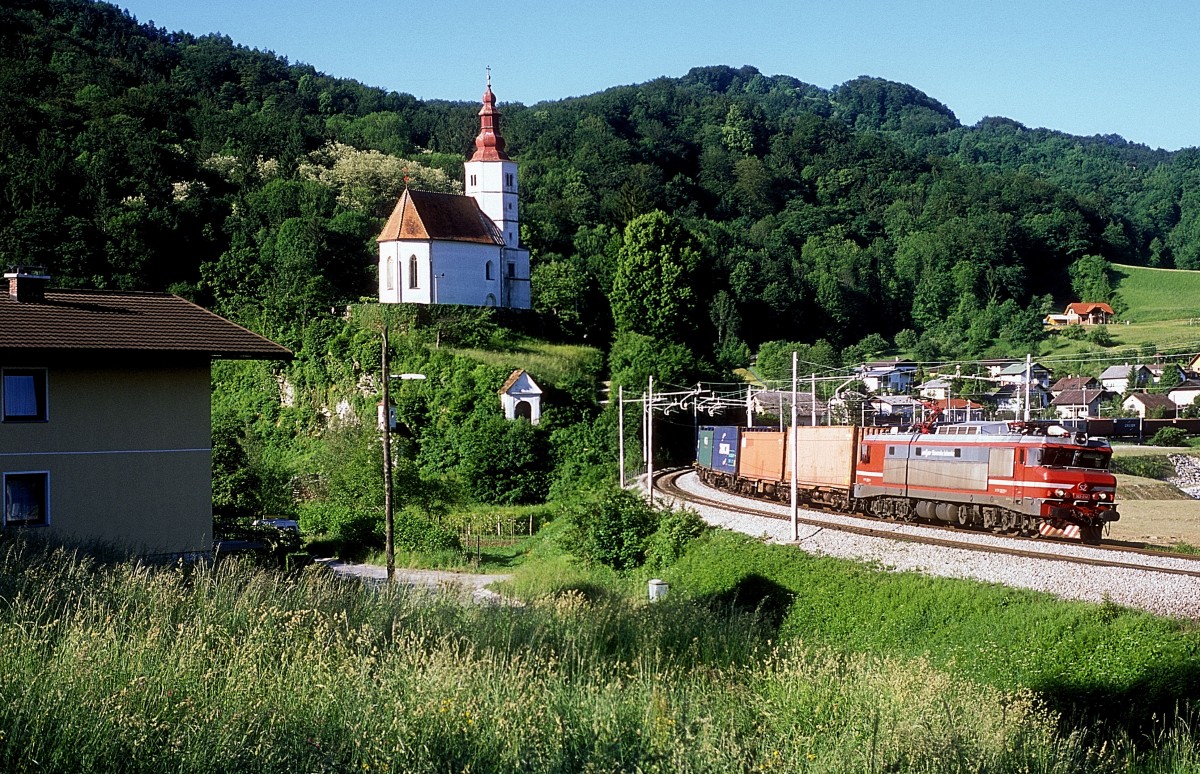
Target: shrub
[1169,436]
[612,531]
[1146,467]
[413,532]
[1101,337]
[675,530]
[341,522]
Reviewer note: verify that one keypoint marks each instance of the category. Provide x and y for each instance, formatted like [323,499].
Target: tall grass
[232,668]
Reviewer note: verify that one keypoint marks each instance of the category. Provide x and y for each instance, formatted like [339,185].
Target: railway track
[1109,556]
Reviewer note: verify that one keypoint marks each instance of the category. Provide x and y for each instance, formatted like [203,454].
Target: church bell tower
[490,176]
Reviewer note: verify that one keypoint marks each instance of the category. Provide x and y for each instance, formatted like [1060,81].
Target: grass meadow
[760,659]
[1162,309]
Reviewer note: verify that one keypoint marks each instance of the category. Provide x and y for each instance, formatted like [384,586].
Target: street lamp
[389,543]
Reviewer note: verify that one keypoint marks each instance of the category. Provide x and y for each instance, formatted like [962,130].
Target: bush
[1169,436]
[413,532]
[1101,337]
[1146,467]
[612,531]
[676,529]
[341,522]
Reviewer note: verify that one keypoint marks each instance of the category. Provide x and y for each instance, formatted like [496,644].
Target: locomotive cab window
[1065,457]
[864,453]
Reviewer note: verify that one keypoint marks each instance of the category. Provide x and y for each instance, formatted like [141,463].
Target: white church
[448,249]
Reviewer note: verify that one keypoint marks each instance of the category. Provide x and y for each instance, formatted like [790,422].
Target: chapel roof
[424,215]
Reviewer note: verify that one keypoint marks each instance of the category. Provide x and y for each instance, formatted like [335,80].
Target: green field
[1160,295]
[1161,314]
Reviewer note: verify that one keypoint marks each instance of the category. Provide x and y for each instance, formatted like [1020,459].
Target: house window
[487,270]
[26,499]
[24,395]
[512,270]
[412,271]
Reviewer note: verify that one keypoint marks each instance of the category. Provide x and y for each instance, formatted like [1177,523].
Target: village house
[1068,383]
[1012,398]
[778,403]
[439,248]
[105,435]
[1150,405]
[1015,373]
[993,366]
[1185,394]
[1116,379]
[938,388]
[1089,314]
[1078,404]
[894,409]
[1170,370]
[892,376]
[959,410]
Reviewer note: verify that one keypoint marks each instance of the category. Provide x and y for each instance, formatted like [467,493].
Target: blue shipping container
[725,449]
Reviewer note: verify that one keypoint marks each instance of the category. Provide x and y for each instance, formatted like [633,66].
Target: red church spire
[489,145]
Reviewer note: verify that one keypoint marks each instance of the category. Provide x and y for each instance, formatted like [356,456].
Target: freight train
[1006,477]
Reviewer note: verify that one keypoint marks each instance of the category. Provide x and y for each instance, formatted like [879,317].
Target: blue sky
[1084,66]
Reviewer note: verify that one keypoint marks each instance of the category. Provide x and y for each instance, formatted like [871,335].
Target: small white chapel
[448,249]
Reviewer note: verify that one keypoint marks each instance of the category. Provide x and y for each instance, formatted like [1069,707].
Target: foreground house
[105,434]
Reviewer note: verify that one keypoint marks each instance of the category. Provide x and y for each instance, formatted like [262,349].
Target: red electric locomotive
[1002,476]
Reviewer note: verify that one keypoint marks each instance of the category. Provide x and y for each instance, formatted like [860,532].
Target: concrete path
[463,584]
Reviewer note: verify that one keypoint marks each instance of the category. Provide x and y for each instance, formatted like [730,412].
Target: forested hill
[139,158]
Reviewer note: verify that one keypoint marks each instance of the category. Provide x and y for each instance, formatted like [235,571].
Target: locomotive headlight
[1102,495]
[1059,493]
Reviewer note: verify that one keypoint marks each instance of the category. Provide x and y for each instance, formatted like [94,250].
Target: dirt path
[463,584]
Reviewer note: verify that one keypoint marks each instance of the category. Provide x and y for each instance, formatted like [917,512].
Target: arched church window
[412,271]
[490,300]
[487,270]
[391,272]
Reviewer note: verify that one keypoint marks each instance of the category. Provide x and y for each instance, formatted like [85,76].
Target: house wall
[128,451]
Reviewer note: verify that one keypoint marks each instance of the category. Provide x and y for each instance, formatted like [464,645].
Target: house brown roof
[1075,383]
[1077,397]
[1153,400]
[438,216]
[1082,308]
[118,321]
